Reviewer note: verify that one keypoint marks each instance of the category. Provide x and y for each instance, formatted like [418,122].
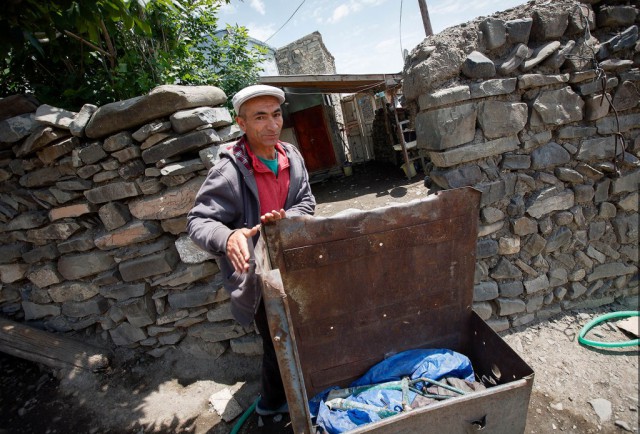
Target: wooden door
[313,138]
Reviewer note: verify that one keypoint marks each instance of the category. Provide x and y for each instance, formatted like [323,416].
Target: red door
[313,138]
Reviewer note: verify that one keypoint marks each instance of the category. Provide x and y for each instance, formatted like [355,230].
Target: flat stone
[550,200]
[477,65]
[596,106]
[132,233]
[626,96]
[149,186]
[494,87]
[557,107]
[225,405]
[458,177]
[40,138]
[559,238]
[216,332]
[150,265]
[34,311]
[156,138]
[626,183]
[468,153]
[16,128]
[189,252]
[189,298]
[74,184]
[114,215]
[145,131]
[105,176]
[182,168]
[609,125]
[592,87]
[251,345]
[533,140]
[505,270]
[34,255]
[538,284]
[527,81]
[27,220]
[127,154]
[124,291]
[201,349]
[549,23]
[10,273]
[14,105]
[118,141]
[210,156]
[79,309]
[41,177]
[524,226]
[45,275]
[568,175]
[171,203]
[72,291]
[53,116]
[230,132]
[508,245]
[510,306]
[81,119]
[610,270]
[494,32]
[126,334]
[446,128]
[175,226]
[186,274]
[53,151]
[54,231]
[603,408]
[515,58]
[501,118]
[171,338]
[539,55]
[511,289]
[516,162]
[221,312]
[187,120]
[518,30]
[140,311]
[179,145]
[557,59]
[444,97]
[160,102]
[91,153]
[172,316]
[597,149]
[114,191]
[71,211]
[616,16]
[73,267]
[131,170]
[80,243]
[572,132]
[549,156]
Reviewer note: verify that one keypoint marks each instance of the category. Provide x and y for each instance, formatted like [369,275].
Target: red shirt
[272,189]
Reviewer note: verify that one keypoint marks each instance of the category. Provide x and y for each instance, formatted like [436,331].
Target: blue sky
[364,36]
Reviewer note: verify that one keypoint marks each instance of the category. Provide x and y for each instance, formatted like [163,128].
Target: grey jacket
[228,200]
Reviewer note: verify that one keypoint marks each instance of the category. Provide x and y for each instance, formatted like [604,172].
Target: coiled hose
[244,417]
[599,320]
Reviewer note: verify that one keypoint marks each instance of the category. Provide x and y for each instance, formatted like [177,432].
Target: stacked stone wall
[514,105]
[93,216]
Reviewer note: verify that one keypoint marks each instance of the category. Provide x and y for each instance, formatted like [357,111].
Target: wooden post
[428,31]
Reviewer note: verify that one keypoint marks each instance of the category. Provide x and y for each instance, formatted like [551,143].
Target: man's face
[261,120]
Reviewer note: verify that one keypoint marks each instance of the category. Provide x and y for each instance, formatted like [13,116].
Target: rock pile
[515,105]
[93,214]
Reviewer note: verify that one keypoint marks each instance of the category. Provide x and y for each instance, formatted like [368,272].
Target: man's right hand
[238,249]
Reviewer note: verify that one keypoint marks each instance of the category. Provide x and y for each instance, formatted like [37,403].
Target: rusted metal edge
[283,338]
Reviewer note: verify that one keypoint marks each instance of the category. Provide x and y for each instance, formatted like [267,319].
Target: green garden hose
[244,417]
[601,319]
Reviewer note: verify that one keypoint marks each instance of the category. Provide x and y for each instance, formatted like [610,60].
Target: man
[258,180]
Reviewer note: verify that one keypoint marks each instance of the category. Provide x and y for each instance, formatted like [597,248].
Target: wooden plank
[48,348]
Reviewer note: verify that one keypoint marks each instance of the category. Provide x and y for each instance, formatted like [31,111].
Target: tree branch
[87,43]
[107,38]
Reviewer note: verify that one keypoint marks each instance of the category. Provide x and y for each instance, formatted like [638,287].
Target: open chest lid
[364,285]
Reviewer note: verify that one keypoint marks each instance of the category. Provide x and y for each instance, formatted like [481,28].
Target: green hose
[244,417]
[601,319]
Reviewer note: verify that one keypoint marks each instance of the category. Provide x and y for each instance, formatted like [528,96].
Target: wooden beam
[48,348]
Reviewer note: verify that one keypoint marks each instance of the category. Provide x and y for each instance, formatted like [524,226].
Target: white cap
[249,92]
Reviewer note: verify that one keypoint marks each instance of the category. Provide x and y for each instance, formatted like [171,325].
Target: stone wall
[93,215]
[513,105]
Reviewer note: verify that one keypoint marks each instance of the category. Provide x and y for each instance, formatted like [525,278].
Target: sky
[364,36]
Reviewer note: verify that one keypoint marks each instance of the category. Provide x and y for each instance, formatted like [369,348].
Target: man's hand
[238,249]
[272,216]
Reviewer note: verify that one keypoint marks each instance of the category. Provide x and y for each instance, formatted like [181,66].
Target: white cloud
[227,8]
[258,6]
[261,31]
[339,13]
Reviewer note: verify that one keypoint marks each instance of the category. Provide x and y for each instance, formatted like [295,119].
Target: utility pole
[425,17]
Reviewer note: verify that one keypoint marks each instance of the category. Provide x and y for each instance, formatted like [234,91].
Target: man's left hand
[272,216]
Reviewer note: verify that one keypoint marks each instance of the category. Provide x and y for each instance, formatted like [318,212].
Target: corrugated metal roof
[335,83]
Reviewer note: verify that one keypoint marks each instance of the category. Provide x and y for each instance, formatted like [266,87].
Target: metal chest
[343,292]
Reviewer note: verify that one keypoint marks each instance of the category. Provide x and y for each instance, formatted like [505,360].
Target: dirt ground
[139,394]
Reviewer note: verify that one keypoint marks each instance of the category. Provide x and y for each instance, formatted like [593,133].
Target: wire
[400,31]
[285,23]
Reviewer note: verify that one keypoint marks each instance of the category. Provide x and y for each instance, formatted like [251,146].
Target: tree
[68,52]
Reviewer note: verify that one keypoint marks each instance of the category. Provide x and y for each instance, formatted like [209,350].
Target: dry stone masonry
[93,214]
[530,106]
